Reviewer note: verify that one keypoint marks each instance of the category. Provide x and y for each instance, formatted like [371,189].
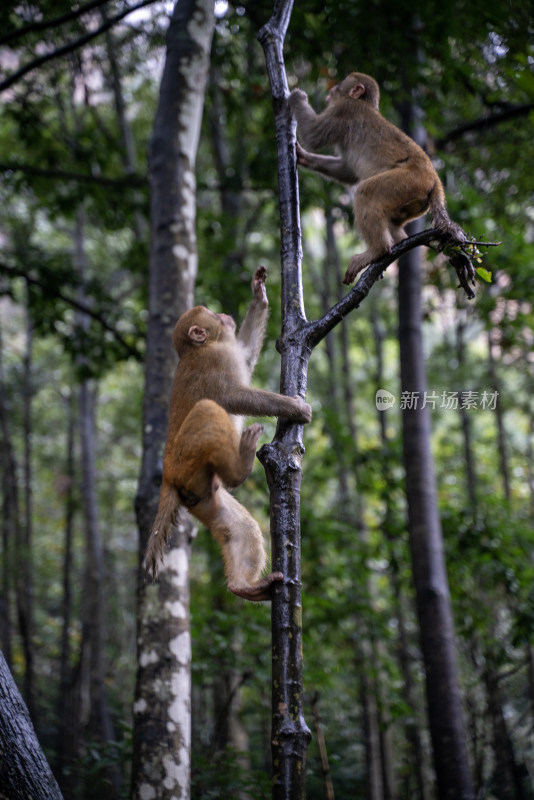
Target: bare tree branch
[315,331]
[55,22]
[58,174]
[486,121]
[68,48]
[71,301]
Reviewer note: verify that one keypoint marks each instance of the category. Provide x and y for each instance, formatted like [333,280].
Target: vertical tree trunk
[94,709]
[130,154]
[67,707]
[506,779]
[466,426]
[24,771]
[501,432]
[328,786]
[428,563]
[282,458]
[26,605]
[15,555]
[17,536]
[371,735]
[374,734]
[416,755]
[9,515]
[162,709]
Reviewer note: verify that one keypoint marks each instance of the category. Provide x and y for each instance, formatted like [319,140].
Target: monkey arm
[252,331]
[334,167]
[311,131]
[260,403]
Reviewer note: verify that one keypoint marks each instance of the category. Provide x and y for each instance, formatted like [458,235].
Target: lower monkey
[207,454]
[205,450]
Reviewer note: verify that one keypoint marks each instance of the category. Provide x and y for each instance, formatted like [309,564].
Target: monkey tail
[169,503]
[440,217]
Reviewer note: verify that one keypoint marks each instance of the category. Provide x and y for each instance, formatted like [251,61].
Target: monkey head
[357,86]
[200,325]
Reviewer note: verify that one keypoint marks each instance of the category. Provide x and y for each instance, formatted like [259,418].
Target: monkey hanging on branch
[393,178]
[206,450]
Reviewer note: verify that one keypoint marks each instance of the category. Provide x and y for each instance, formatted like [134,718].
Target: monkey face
[227,321]
[200,325]
[333,94]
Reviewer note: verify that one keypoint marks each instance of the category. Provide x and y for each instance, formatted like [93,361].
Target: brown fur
[393,177]
[206,451]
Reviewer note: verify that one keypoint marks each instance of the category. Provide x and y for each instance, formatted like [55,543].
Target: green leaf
[484,274]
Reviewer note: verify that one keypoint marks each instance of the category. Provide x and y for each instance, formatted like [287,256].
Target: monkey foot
[356,265]
[257,591]
[250,436]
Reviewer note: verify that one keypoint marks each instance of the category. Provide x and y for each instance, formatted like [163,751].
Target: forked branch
[460,256]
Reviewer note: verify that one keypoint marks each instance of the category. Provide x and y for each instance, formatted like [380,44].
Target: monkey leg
[398,234]
[371,219]
[247,452]
[383,204]
[241,541]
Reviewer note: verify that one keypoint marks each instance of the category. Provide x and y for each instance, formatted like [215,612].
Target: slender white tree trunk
[162,709]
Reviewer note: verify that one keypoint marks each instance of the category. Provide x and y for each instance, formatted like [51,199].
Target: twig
[315,331]
[46,24]
[120,182]
[68,48]
[486,122]
[71,301]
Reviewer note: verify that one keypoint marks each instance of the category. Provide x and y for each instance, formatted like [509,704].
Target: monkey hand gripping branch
[206,450]
[393,178]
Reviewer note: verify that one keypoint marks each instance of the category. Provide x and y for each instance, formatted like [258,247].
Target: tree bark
[26,567]
[128,140]
[9,514]
[466,426]
[506,781]
[67,704]
[94,707]
[16,539]
[428,563]
[351,504]
[24,771]
[414,779]
[328,786]
[499,417]
[162,709]
[282,458]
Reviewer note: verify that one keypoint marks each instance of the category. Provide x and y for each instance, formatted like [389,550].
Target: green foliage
[222,776]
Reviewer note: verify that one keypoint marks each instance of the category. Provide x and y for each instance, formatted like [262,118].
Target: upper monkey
[393,177]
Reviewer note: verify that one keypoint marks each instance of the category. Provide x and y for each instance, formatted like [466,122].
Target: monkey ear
[357,91]
[197,334]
